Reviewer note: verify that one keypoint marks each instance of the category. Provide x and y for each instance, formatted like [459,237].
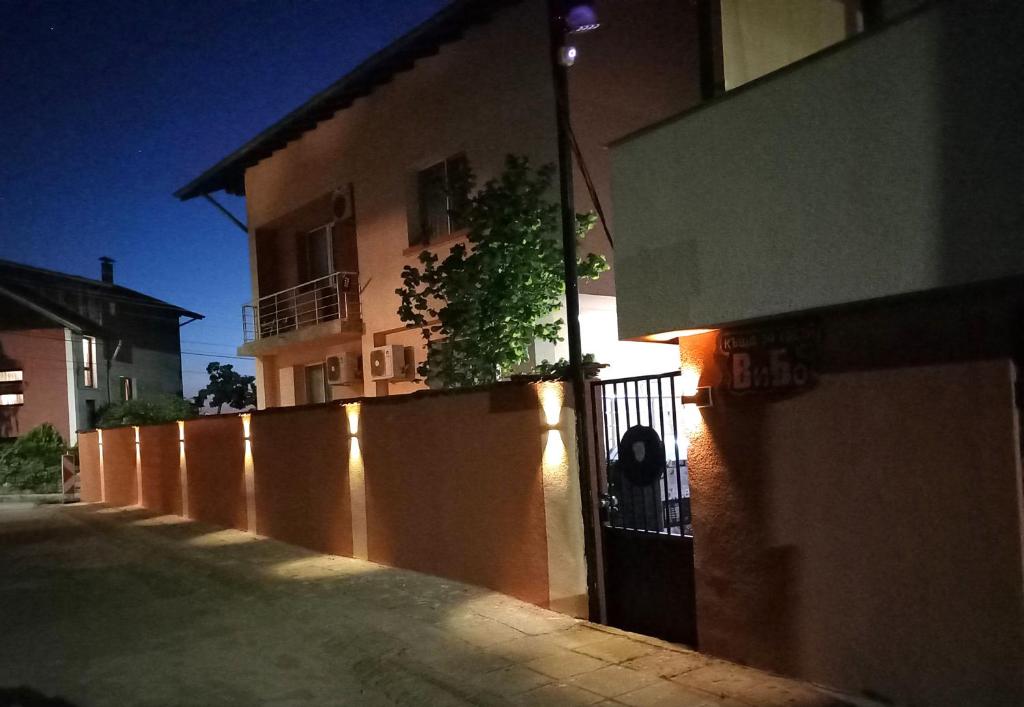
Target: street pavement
[102,606]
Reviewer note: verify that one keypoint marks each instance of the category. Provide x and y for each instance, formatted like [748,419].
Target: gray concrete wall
[893,164]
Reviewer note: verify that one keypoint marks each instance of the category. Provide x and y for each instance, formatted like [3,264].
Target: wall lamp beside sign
[701,397]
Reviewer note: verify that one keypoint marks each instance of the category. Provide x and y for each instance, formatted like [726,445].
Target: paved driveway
[117,607]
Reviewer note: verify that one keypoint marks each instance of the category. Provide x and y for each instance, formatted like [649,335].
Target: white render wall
[890,165]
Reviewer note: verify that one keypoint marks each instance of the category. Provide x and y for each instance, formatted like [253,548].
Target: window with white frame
[10,387]
[89,362]
[440,194]
[127,388]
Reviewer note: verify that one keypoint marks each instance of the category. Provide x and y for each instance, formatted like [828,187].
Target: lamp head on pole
[580,17]
[575,17]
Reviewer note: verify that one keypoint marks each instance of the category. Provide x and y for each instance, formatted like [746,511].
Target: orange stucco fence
[476,486]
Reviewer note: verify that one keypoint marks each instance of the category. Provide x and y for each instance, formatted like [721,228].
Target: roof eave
[444,27]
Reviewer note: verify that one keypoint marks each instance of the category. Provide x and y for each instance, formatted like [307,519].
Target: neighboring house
[838,249]
[343,192]
[70,345]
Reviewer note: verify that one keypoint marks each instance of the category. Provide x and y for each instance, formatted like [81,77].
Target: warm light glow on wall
[249,474]
[689,380]
[551,395]
[182,469]
[556,460]
[352,413]
[673,335]
[357,496]
[103,482]
[138,467]
[250,487]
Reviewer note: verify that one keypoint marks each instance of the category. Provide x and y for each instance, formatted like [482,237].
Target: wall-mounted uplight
[181,431]
[246,422]
[701,397]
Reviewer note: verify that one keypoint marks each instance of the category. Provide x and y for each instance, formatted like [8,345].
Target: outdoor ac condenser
[388,363]
[342,369]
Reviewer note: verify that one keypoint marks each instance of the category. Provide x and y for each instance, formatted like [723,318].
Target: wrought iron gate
[640,435]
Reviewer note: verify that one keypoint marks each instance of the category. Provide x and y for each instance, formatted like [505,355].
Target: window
[89,362]
[127,387]
[10,387]
[440,194]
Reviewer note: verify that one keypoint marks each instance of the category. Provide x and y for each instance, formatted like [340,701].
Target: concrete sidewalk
[117,607]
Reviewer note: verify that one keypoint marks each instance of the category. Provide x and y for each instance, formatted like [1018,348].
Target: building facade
[339,196]
[835,247]
[70,345]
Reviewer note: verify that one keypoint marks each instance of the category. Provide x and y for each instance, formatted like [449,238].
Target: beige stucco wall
[352,488]
[488,94]
[867,533]
[892,164]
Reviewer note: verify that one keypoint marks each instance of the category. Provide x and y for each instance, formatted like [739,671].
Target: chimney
[107,269]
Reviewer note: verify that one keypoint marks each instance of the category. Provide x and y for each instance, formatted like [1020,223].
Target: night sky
[106,108]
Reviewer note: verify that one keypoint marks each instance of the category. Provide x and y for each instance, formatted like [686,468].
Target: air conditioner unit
[342,369]
[341,203]
[389,363]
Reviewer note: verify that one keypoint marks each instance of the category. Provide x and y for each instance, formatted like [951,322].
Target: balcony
[891,164]
[322,306]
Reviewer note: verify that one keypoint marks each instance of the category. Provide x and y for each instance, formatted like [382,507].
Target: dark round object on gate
[641,456]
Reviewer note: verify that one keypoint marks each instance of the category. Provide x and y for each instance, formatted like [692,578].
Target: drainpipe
[110,361]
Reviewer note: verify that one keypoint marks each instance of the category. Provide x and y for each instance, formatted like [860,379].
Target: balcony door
[319,253]
[316,384]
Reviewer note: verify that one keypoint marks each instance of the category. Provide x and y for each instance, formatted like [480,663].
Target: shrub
[32,462]
[146,411]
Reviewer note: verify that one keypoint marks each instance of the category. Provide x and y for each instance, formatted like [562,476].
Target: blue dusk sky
[106,108]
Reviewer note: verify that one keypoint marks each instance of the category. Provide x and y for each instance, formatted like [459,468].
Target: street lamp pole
[562,55]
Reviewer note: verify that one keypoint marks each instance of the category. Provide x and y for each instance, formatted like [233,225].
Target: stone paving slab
[122,607]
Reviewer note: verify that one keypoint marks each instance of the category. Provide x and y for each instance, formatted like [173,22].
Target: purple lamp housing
[580,17]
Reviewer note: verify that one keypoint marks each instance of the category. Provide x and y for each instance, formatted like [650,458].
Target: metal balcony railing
[329,298]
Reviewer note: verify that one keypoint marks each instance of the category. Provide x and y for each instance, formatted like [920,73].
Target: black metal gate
[647,536]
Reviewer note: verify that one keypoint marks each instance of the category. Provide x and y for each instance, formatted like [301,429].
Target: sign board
[771,359]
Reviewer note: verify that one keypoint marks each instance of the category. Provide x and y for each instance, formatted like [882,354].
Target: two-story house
[836,247]
[70,345]
[348,188]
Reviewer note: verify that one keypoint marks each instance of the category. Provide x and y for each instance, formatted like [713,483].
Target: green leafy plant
[146,411]
[32,462]
[481,308]
[560,368]
[227,387]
